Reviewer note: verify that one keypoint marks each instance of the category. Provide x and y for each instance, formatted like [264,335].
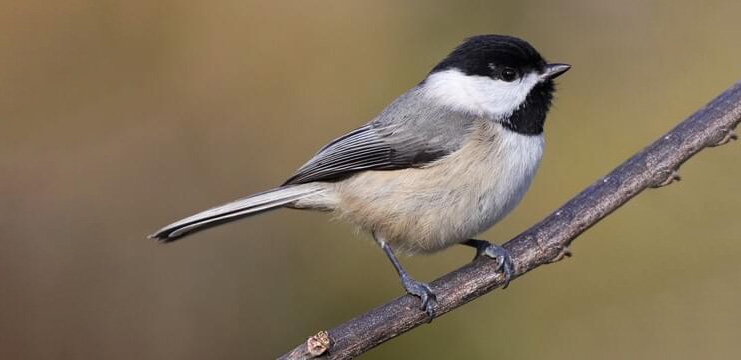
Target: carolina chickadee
[444,162]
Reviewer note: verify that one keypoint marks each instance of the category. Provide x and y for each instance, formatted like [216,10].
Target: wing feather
[361,149]
[411,132]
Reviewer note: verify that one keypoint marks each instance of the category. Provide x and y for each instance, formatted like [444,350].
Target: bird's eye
[508,74]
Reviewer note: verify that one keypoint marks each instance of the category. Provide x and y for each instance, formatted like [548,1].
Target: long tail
[248,206]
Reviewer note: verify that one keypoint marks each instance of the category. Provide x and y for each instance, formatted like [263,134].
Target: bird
[445,161]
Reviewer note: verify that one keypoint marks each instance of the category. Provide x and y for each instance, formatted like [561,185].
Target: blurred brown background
[117,117]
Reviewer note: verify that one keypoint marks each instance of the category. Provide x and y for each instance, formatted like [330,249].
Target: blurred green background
[118,117]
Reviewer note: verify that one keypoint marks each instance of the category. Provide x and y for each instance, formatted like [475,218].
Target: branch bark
[545,242]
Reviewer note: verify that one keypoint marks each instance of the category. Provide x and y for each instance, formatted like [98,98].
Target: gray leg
[496,252]
[414,287]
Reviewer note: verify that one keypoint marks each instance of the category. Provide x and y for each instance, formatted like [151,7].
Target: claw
[498,253]
[424,292]
[504,261]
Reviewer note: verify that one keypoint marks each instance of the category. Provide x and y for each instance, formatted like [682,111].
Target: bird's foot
[422,291]
[498,253]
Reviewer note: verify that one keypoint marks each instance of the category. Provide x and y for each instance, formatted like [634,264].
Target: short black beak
[553,71]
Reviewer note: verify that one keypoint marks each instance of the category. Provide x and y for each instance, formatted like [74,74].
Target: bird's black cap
[481,54]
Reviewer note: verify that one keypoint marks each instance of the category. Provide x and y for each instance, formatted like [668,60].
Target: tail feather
[250,205]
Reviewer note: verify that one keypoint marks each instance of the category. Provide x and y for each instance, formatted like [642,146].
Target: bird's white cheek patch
[478,95]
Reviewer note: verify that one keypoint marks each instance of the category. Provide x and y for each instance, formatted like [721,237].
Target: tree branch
[546,241]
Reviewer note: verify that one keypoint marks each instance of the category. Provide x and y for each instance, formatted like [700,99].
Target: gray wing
[408,133]
[362,149]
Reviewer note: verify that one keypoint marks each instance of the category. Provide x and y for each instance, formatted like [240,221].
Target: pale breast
[453,199]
